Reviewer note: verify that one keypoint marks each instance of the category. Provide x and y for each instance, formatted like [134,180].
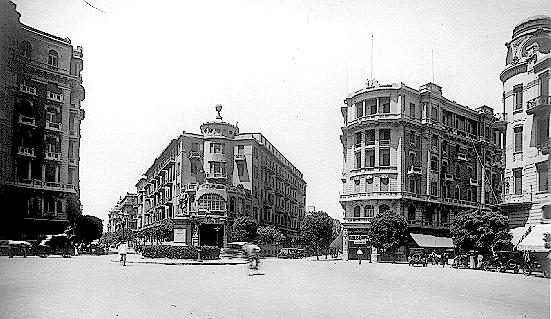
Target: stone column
[374,255]
[43,172]
[345,244]
[29,172]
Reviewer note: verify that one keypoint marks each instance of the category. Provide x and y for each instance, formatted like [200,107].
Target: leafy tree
[337,229]
[484,231]
[87,228]
[244,229]
[109,239]
[269,235]
[388,231]
[317,230]
[74,210]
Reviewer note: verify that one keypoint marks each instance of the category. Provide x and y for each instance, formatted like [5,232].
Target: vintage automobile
[291,253]
[54,245]
[536,261]
[234,250]
[417,256]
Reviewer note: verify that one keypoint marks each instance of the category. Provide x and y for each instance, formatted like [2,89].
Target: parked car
[54,245]
[291,253]
[234,250]
[417,256]
[536,261]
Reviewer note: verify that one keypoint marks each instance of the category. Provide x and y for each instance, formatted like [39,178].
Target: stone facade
[416,153]
[202,182]
[124,216]
[525,121]
[40,115]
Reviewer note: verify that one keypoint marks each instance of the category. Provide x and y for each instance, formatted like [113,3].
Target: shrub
[180,252]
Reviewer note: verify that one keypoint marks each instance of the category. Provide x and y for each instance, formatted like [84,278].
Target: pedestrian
[359,252]
[444,259]
[123,250]
[252,251]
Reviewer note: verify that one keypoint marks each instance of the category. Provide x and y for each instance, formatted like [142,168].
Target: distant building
[125,214]
[203,182]
[40,114]
[525,119]
[418,154]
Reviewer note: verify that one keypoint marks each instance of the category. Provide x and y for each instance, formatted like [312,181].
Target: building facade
[526,108]
[40,114]
[418,154]
[203,182]
[124,216]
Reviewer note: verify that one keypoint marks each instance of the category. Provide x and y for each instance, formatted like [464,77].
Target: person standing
[123,250]
[360,253]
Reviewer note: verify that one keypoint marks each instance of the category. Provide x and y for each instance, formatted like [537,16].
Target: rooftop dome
[533,22]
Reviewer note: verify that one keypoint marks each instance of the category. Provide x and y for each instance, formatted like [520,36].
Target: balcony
[53,126]
[414,170]
[384,142]
[239,157]
[53,156]
[53,186]
[357,220]
[194,155]
[500,121]
[217,175]
[448,177]
[538,104]
[27,120]
[544,147]
[473,182]
[25,151]
[27,89]
[54,97]
[462,156]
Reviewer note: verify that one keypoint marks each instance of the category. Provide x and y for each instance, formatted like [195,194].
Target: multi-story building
[124,216]
[418,154]
[526,108]
[40,114]
[203,182]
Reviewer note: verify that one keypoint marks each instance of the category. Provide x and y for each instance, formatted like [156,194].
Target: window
[412,185]
[457,193]
[371,105]
[384,137]
[517,94]
[370,158]
[384,184]
[434,113]
[384,208]
[518,138]
[517,175]
[384,105]
[356,186]
[25,49]
[195,146]
[71,149]
[369,185]
[212,202]
[357,211]
[53,60]
[412,112]
[384,157]
[358,139]
[411,212]
[217,167]
[370,137]
[359,109]
[444,217]
[240,149]
[542,131]
[434,164]
[543,177]
[434,189]
[368,211]
[544,83]
[358,160]
[193,167]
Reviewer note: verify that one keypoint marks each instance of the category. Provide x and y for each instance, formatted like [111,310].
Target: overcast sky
[153,69]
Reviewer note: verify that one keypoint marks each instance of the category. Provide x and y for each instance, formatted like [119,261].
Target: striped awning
[534,240]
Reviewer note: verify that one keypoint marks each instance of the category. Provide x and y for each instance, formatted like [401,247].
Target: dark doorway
[211,235]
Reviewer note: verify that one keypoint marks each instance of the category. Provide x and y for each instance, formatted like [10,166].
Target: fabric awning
[534,240]
[430,241]
[517,234]
[337,243]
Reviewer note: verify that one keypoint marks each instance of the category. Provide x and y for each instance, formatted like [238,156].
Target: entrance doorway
[211,235]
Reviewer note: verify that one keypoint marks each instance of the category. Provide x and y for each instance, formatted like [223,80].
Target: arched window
[212,202]
[368,211]
[53,59]
[357,211]
[384,208]
[25,48]
[411,212]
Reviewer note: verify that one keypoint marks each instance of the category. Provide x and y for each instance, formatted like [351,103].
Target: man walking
[360,253]
[123,249]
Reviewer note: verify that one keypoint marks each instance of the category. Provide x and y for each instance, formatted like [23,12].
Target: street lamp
[217,229]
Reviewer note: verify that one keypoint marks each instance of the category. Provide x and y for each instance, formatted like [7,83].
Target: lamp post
[217,229]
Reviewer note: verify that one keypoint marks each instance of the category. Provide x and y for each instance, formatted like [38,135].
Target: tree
[87,228]
[269,235]
[388,231]
[244,229]
[483,231]
[317,230]
[109,239]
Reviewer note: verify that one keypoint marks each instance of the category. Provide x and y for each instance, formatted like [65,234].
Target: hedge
[180,252]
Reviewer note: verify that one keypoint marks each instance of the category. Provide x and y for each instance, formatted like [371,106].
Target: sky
[153,69]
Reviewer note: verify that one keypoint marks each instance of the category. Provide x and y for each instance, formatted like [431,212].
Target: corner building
[203,182]
[124,216]
[418,154]
[525,119]
[40,114]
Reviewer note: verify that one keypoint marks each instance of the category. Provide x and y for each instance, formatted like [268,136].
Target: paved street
[97,287]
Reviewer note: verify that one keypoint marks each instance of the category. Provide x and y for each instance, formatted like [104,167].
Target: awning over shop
[430,241]
[337,243]
[517,234]
[534,240]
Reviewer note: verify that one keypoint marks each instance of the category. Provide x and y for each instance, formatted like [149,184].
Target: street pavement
[97,287]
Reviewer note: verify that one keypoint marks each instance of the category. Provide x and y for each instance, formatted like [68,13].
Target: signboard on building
[180,235]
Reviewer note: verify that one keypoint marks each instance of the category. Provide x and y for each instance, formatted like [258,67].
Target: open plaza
[98,287]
